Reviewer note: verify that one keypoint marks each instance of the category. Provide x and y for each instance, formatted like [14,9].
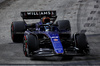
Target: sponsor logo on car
[55,39]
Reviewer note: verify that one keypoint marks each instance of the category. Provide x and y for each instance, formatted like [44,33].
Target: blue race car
[47,37]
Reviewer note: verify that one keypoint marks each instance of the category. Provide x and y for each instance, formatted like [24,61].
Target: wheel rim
[25,47]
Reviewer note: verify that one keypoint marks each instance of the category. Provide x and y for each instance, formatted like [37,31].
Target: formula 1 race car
[47,37]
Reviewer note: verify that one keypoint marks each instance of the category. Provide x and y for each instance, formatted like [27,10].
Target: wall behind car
[85,14]
[89,16]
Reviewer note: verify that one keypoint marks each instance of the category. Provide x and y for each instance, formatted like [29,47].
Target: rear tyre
[63,25]
[17,31]
[30,45]
[82,44]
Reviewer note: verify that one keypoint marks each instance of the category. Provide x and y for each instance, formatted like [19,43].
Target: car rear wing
[38,14]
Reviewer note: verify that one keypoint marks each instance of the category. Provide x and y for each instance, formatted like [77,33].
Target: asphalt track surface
[12,53]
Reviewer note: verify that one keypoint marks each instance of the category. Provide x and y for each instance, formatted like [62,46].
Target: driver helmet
[45,20]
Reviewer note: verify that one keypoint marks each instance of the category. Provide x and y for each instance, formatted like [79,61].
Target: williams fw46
[47,37]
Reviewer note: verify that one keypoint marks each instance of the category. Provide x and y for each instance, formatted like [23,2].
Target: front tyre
[82,44]
[30,44]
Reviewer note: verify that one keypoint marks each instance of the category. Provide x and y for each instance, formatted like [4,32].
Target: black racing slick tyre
[63,25]
[17,31]
[30,44]
[82,44]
